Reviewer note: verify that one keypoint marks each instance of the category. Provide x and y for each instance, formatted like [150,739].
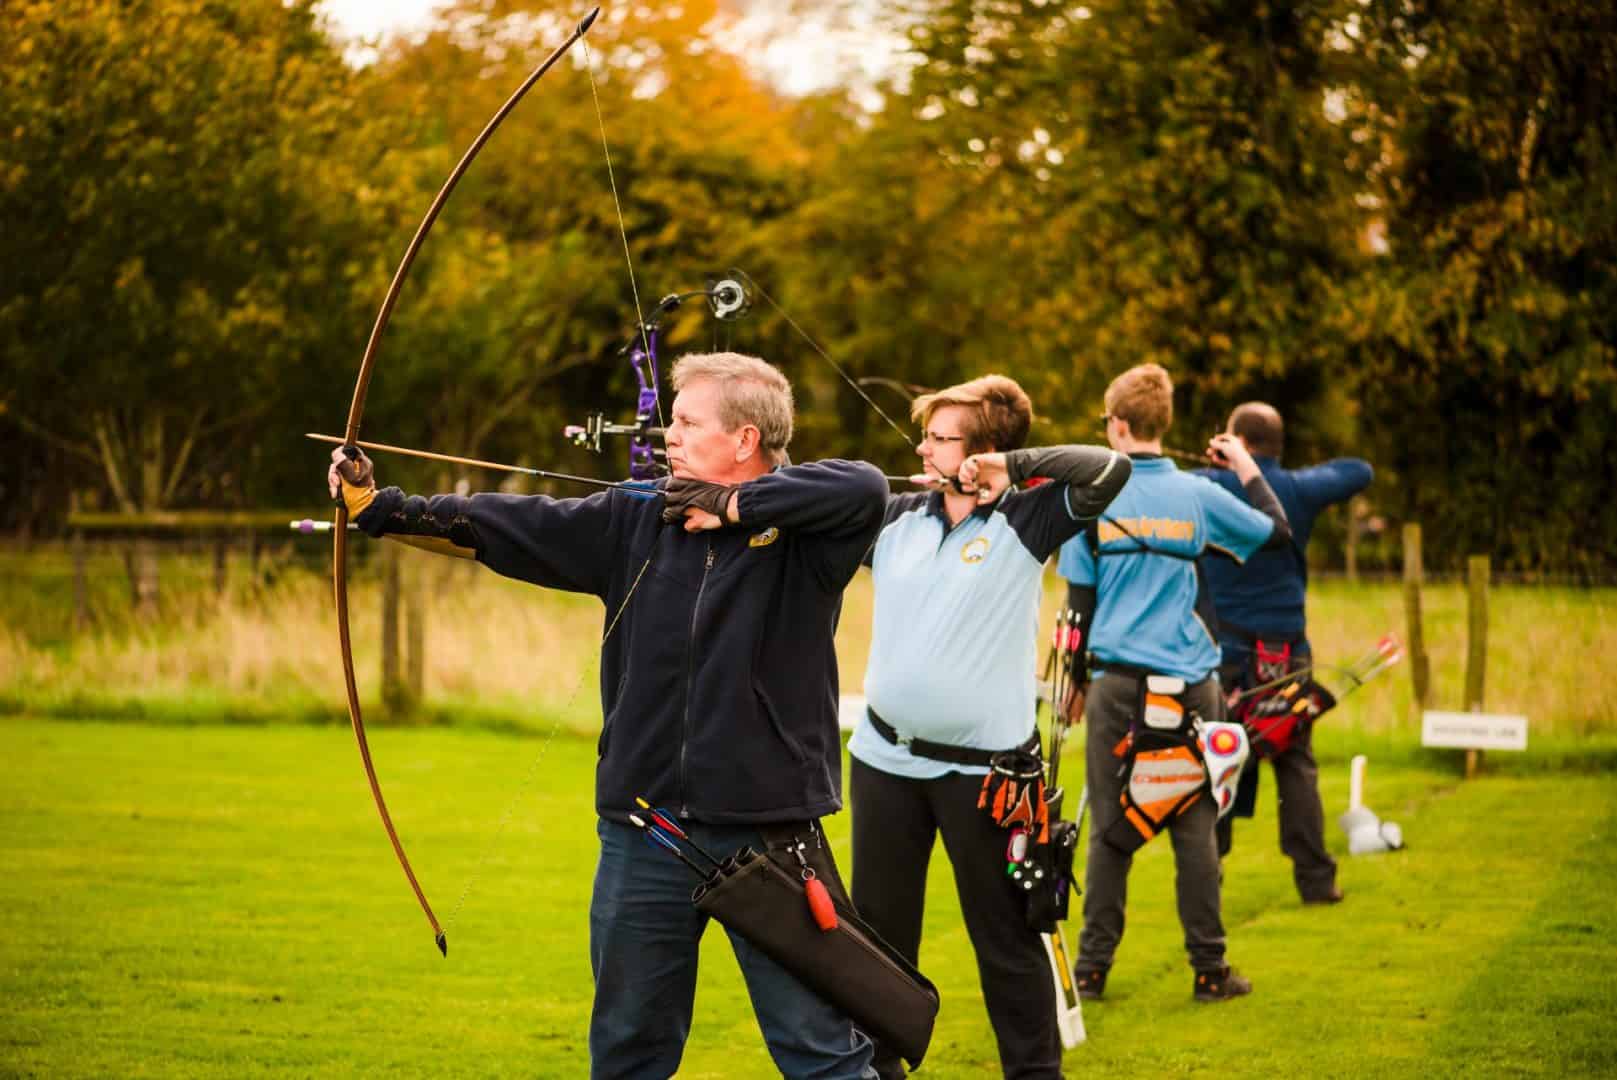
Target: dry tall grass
[505,648]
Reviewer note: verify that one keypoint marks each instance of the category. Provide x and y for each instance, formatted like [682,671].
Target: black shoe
[1221,985]
[1091,984]
[1332,897]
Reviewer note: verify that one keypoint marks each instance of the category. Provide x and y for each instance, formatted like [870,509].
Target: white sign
[1473,731]
[850,710]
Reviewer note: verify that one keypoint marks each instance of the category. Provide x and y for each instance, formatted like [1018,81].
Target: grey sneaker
[1221,985]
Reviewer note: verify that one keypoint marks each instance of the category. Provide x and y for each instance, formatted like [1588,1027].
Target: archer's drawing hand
[702,504]
[985,475]
[351,479]
[1230,452]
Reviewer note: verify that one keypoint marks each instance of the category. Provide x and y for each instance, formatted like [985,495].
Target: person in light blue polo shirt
[1133,582]
[958,576]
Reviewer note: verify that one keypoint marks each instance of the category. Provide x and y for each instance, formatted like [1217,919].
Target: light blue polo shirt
[954,637]
[1145,612]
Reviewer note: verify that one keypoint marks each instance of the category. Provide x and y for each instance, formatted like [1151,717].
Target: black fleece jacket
[719,681]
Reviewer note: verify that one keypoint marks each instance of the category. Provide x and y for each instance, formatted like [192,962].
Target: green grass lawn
[221,901]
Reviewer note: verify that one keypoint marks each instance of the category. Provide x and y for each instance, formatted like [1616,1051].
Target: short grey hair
[751,391]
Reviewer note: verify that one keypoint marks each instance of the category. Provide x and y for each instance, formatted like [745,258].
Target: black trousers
[895,821]
[1302,815]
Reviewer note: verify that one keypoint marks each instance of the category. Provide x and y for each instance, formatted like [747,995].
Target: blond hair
[999,416]
[1142,395]
[751,391]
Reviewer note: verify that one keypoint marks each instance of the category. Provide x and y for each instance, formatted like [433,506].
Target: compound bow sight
[728,299]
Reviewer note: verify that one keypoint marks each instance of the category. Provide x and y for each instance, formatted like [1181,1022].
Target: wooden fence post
[221,563]
[1419,665]
[1476,645]
[415,633]
[144,575]
[394,693]
[81,582]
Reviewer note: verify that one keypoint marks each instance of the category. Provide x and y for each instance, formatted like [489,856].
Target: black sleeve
[1263,499]
[1082,481]
[839,503]
[1082,600]
[558,543]
[1093,474]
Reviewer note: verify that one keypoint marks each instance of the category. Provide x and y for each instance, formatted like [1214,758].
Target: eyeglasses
[1106,418]
[935,439]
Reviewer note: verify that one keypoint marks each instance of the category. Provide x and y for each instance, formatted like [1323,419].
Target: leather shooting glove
[683,494]
[352,479]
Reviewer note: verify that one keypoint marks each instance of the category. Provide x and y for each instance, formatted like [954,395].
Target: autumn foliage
[1394,220]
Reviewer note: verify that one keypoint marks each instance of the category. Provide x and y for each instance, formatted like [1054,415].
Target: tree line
[1394,220]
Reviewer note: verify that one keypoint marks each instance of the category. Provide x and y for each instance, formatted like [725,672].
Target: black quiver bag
[1047,903]
[849,966]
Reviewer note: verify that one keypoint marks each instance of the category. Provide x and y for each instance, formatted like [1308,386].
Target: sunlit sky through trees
[801,47]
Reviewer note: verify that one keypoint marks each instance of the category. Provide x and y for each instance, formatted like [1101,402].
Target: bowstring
[838,368]
[645,341]
[538,759]
[623,230]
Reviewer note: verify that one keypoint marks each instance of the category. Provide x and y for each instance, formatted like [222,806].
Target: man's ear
[749,439]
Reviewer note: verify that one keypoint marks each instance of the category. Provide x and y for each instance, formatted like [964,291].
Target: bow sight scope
[728,297]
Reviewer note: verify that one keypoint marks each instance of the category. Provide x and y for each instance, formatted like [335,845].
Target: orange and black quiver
[1163,770]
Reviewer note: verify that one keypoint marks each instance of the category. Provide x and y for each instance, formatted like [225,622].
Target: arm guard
[1263,499]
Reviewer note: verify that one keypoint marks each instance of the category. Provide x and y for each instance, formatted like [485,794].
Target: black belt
[934,751]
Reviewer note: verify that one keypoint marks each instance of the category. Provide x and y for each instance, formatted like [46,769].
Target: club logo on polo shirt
[975,551]
[765,538]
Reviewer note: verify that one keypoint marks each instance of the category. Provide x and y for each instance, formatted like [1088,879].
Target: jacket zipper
[690,665]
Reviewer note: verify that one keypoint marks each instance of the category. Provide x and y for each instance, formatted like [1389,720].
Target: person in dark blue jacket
[1262,630]
[722,592]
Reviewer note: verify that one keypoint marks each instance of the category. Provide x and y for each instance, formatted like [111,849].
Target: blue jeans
[644,937]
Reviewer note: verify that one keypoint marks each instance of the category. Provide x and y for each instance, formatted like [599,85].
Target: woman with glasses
[958,572]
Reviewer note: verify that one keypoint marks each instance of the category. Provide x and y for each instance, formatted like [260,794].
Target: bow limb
[356,410]
[339,545]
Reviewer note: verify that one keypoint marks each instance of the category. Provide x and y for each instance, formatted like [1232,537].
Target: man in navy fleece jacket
[1263,600]
[722,591]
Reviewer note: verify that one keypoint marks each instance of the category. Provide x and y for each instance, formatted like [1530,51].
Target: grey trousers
[1108,710]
